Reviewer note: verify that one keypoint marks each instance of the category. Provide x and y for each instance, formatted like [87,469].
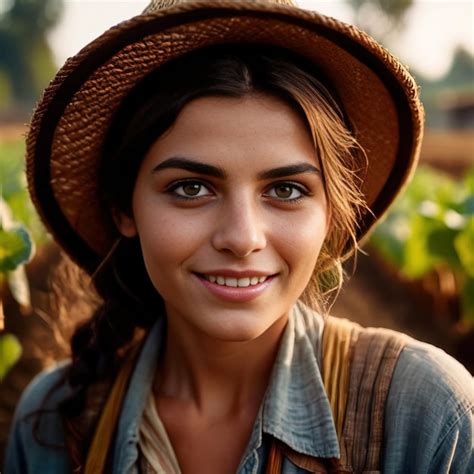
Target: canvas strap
[103,437]
[357,367]
[373,361]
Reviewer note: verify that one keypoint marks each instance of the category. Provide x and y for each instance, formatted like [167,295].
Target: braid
[130,302]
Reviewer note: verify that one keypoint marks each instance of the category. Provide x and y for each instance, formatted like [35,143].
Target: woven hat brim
[72,119]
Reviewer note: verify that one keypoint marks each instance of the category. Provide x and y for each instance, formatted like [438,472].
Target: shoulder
[427,371]
[37,431]
[428,416]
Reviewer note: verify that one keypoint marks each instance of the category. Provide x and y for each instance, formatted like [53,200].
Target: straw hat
[71,121]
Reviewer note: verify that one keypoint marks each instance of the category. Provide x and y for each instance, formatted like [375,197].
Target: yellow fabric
[337,338]
[97,456]
[154,442]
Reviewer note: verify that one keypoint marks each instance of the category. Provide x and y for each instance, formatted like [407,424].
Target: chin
[237,327]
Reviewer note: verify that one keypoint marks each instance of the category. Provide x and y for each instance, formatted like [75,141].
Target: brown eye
[287,192]
[191,189]
[283,191]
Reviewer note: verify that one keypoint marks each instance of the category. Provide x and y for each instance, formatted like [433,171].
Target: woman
[211,165]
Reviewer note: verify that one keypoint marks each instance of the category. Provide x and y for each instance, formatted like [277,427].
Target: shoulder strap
[103,436]
[339,338]
[358,365]
[78,431]
[374,358]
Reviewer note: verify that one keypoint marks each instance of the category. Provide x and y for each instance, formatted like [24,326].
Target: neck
[219,378]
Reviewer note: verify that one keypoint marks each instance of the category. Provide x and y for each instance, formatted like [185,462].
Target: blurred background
[417,271]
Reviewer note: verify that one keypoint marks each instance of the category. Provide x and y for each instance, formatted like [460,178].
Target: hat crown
[156,5]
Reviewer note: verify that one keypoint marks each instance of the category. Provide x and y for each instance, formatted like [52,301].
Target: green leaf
[23,211]
[467,301]
[418,260]
[440,245]
[10,352]
[469,180]
[464,245]
[16,248]
[389,238]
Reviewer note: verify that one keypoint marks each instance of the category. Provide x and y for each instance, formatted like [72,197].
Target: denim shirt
[428,415]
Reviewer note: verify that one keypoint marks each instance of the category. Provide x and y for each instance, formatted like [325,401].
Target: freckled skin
[235,223]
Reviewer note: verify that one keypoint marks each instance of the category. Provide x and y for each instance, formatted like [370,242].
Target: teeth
[243,282]
[235,282]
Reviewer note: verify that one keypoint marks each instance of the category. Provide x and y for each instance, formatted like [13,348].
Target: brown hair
[342,161]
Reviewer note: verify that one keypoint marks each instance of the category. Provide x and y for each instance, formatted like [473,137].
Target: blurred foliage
[384,19]
[461,72]
[26,60]
[10,352]
[37,16]
[380,18]
[18,222]
[14,190]
[431,226]
[458,80]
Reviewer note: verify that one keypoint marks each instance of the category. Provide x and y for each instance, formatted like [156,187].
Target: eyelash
[294,186]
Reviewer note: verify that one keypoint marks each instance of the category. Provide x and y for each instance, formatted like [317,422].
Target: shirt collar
[296,408]
[134,403]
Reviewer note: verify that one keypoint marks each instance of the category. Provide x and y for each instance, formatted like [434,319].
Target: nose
[240,228]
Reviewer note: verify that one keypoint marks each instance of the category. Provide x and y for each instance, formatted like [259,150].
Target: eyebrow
[217,172]
[190,165]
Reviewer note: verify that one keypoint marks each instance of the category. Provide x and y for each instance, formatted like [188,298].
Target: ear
[125,223]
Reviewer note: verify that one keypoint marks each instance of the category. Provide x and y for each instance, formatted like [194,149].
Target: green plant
[18,223]
[10,352]
[431,227]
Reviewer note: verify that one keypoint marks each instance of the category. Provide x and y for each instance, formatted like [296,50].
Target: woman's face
[231,213]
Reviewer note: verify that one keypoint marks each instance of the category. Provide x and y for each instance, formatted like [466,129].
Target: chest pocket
[357,369]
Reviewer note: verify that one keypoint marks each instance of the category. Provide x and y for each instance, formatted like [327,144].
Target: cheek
[300,240]
[167,239]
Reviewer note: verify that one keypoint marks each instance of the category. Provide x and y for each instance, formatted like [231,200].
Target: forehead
[255,130]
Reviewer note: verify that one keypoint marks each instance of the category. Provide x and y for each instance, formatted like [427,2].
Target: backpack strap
[97,455]
[373,360]
[339,339]
[358,365]
[79,430]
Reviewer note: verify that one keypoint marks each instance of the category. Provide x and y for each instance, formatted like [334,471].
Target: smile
[235,288]
[235,282]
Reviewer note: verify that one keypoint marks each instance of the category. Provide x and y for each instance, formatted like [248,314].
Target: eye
[189,189]
[286,192]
